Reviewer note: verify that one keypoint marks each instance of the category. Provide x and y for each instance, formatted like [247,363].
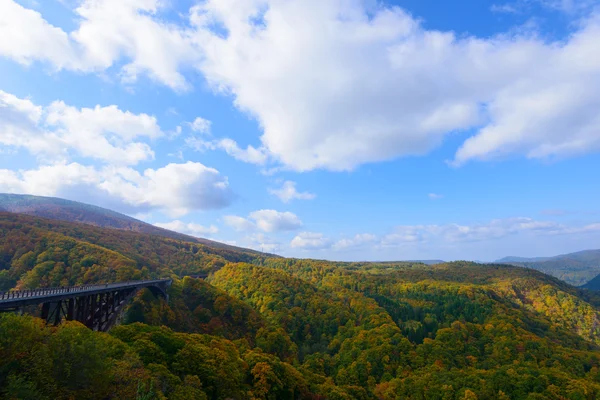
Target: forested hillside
[574,268]
[277,328]
[42,252]
[73,211]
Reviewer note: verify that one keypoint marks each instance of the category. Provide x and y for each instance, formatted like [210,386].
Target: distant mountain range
[511,259]
[578,268]
[73,211]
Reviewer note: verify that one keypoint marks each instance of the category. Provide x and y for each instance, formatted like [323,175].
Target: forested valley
[262,327]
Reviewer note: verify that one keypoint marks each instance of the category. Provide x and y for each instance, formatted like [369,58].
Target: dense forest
[275,328]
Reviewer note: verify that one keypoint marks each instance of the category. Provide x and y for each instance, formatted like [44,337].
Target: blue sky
[339,129]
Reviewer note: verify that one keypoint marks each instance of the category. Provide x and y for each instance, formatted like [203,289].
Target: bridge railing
[28,293]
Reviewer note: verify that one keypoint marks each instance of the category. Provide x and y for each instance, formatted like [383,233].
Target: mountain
[261,327]
[574,268]
[593,284]
[512,259]
[73,211]
[582,256]
[30,245]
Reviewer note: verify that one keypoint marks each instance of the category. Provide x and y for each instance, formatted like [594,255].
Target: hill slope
[73,211]
[43,252]
[574,268]
[593,284]
[511,259]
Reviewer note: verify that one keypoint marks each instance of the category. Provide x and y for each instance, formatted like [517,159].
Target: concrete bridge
[96,306]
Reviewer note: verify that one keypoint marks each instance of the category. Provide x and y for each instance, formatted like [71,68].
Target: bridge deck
[19,298]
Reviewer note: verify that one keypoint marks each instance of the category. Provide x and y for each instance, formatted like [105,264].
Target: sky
[331,129]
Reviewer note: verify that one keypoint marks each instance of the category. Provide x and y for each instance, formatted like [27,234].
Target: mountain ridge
[74,211]
[577,268]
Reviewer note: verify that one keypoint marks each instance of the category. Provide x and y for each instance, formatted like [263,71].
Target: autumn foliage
[276,328]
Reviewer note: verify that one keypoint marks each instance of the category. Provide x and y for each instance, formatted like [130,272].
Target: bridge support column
[45,311]
[93,310]
[57,312]
[70,309]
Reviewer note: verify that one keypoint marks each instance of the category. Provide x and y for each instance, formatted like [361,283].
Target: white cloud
[250,155]
[48,180]
[189,228]
[310,241]
[435,196]
[336,84]
[132,29]
[240,224]
[335,87]
[495,229]
[104,133]
[358,241]
[108,31]
[20,121]
[201,125]
[179,188]
[404,235]
[275,221]
[261,242]
[265,220]
[175,188]
[549,112]
[40,41]
[288,193]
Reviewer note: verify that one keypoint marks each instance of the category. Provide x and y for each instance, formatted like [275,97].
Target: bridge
[96,306]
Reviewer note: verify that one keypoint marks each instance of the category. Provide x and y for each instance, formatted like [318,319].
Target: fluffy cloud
[20,121]
[39,42]
[549,112]
[104,133]
[201,125]
[132,29]
[288,192]
[336,84]
[189,228]
[358,241]
[108,31]
[179,188]
[275,221]
[310,241]
[176,188]
[435,196]
[48,180]
[240,224]
[265,220]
